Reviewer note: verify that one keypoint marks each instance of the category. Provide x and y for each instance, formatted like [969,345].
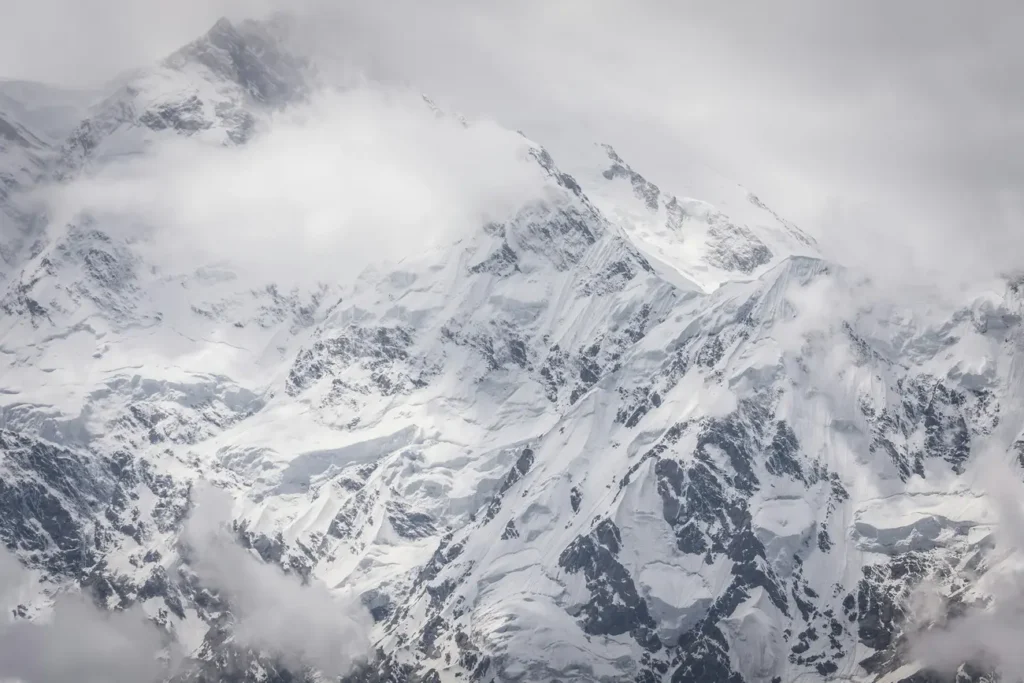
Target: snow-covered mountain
[627,433]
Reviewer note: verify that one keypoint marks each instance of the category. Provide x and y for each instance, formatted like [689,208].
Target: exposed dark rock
[408,523]
[575,497]
[510,531]
[517,472]
[383,351]
[615,606]
[642,188]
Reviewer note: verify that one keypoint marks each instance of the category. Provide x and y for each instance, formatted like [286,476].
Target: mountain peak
[631,431]
[216,87]
[221,26]
[250,54]
[706,229]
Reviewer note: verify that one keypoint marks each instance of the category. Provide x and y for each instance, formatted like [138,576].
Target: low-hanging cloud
[990,631]
[909,113]
[77,642]
[12,575]
[355,176]
[304,625]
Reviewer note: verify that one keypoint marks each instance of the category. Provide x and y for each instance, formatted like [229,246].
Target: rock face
[619,436]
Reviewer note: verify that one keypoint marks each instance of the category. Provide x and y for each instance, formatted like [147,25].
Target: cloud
[910,113]
[76,642]
[86,42]
[354,177]
[988,632]
[304,625]
[12,575]
[274,612]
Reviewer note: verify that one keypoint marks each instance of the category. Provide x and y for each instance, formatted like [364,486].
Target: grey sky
[899,122]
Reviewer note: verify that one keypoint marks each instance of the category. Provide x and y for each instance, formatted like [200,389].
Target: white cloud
[909,111]
[304,625]
[12,575]
[907,117]
[76,642]
[274,612]
[989,632]
[355,177]
[85,42]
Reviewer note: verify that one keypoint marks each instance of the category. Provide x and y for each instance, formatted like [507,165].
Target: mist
[353,177]
[991,628]
[303,625]
[890,132]
[887,132]
[76,641]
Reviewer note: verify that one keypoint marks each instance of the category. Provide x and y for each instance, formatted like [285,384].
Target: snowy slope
[51,111]
[711,230]
[213,88]
[24,152]
[622,434]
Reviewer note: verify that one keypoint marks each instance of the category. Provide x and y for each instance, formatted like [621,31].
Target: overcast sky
[879,118]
